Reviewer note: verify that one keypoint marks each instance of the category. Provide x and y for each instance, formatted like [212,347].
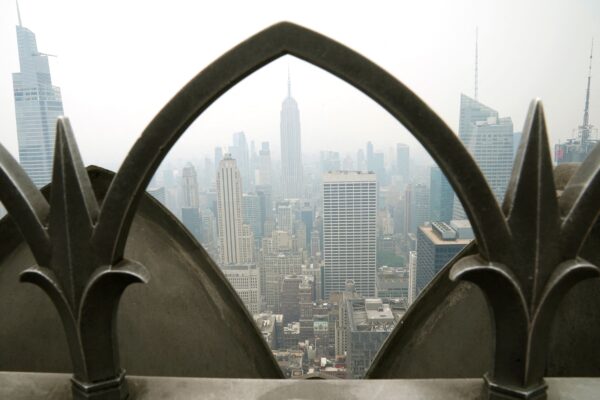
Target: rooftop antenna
[19,13]
[586,112]
[476,63]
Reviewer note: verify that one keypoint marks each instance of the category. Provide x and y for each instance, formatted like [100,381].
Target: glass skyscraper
[37,106]
[489,139]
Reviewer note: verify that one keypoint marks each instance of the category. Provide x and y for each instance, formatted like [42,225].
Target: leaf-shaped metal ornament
[524,293]
[85,292]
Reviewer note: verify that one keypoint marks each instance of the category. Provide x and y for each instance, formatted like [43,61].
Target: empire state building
[291,148]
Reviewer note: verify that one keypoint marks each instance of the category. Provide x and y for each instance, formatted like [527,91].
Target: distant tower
[239,152]
[37,106]
[229,204]
[264,165]
[291,148]
[190,215]
[402,161]
[189,183]
[577,149]
[350,231]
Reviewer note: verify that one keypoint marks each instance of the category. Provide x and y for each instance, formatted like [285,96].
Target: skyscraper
[37,106]
[239,152]
[436,245]
[489,139]
[291,148]
[264,165]
[189,183]
[229,204]
[441,198]
[350,231]
[402,161]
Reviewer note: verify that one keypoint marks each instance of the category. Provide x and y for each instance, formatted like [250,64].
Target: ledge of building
[32,386]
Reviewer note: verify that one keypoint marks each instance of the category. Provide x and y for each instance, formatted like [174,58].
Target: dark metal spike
[580,204]
[532,207]
[165,129]
[26,205]
[70,224]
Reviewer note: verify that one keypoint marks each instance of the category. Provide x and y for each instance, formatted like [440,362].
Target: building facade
[230,218]
[291,148]
[37,106]
[350,231]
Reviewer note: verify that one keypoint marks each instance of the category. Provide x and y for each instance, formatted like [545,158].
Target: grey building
[369,322]
[37,106]
[436,245]
[402,161]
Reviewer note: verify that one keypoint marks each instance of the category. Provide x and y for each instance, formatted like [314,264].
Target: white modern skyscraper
[229,205]
[350,231]
[489,139]
[37,106]
[291,148]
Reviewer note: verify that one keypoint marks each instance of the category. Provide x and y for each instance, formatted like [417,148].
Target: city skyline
[320,96]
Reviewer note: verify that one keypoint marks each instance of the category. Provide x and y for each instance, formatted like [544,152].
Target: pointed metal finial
[476,62]
[19,13]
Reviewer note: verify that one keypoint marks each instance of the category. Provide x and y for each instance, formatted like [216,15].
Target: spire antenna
[586,111]
[476,62]
[19,13]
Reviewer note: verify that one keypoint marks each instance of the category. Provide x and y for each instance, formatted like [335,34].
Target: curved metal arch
[283,38]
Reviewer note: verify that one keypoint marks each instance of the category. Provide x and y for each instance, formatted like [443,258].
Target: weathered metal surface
[24,386]
[528,254]
[187,321]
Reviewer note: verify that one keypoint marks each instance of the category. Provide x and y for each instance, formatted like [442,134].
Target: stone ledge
[32,386]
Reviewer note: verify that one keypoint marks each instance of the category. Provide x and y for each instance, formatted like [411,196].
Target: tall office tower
[436,245]
[376,164]
[307,216]
[37,106]
[315,243]
[402,162]
[416,207]
[229,204]
[245,279]
[264,165]
[350,231]
[252,214]
[291,149]
[290,298]
[412,276]
[273,268]
[489,139]
[441,198]
[218,156]
[189,183]
[285,217]
[264,193]
[209,237]
[247,244]
[239,152]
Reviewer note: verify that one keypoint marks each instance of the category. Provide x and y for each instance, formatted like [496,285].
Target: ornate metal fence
[528,252]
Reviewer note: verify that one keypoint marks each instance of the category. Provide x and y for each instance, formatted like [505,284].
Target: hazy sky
[120,62]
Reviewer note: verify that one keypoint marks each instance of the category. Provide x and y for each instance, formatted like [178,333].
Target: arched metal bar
[165,129]
[26,205]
